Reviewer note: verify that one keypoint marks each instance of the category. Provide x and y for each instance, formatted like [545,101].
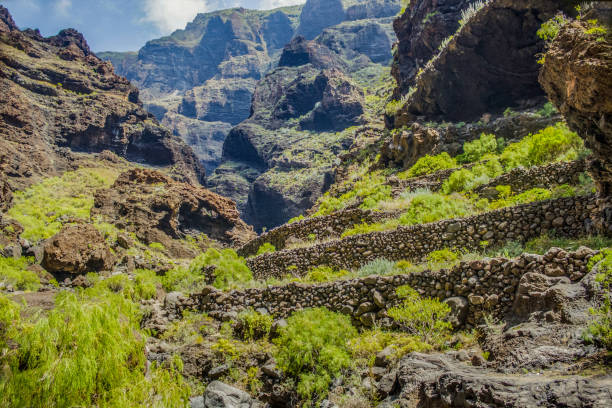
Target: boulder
[220,395]
[459,310]
[77,249]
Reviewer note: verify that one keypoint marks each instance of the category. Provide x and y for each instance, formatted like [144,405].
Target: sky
[120,25]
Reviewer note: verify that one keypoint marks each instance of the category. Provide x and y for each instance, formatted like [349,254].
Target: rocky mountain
[279,161]
[58,100]
[199,81]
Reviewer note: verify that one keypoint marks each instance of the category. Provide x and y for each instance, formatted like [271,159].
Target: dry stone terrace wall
[565,216]
[487,286]
[332,225]
[520,179]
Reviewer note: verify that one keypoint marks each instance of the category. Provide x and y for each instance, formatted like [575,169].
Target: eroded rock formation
[77,249]
[577,76]
[486,66]
[158,209]
[57,98]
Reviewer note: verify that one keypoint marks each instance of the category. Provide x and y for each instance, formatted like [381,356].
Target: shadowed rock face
[199,81]
[6,194]
[487,66]
[311,92]
[56,98]
[577,76]
[159,209]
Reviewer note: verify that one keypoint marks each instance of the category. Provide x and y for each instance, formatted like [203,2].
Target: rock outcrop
[577,76]
[308,93]
[77,249]
[158,209]
[6,194]
[484,65]
[199,81]
[57,98]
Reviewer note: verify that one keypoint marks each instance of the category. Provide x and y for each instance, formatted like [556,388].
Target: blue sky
[120,25]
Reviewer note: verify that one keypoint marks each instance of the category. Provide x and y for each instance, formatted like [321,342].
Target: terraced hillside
[447,264]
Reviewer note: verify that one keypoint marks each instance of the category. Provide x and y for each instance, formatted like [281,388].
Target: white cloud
[62,7]
[169,15]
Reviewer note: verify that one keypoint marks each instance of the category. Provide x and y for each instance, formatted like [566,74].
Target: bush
[380,266]
[371,342]
[422,317]
[549,29]
[428,207]
[313,349]
[475,150]
[87,351]
[365,228]
[547,110]
[39,208]
[554,143]
[428,165]
[231,271]
[479,174]
[266,248]
[443,255]
[323,274]
[600,331]
[14,272]
[370,189]
[253,325]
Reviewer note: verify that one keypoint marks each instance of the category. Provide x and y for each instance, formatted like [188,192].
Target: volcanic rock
[58,98]
[77,249]
[159,209]
[577,76]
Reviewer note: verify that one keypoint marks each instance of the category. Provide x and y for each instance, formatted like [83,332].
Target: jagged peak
[7,24]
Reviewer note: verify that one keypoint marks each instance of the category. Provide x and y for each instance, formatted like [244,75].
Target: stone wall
[520,179]
[477,288]
[329,226]
[566,216]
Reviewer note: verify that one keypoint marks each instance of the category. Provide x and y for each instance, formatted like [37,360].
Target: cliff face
[199,81]
[58,98]
[577,76]
[458,70]
[280,160]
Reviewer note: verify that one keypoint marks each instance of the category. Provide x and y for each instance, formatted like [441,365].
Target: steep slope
[199,81]
[577,76]
[281,160]
[57,98]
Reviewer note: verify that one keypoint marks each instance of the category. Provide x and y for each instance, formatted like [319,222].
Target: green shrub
[323,274]
[554,143]
[366,228]
[87,351]
[39,208]
[422,317]
[231,269]
[296,219]
[157,246]
[428,207]
[477,149]
[380,266]
[529,196]
[14,272]
[550,28]
[313,349]
[443,255]
[428,165]
[370,189]
[547,110]
[600,330]
[371,342]
[479,174]
[254,325]
[266,248]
